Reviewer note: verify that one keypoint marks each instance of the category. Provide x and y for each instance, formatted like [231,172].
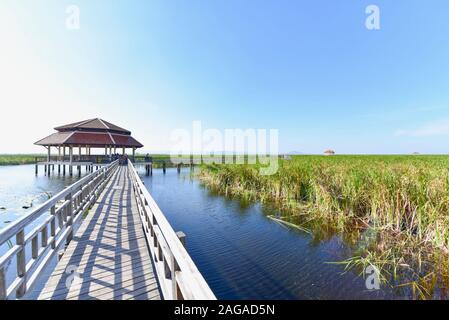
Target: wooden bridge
[124,248]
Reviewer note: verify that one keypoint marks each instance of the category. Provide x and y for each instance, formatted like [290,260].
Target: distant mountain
[292,153]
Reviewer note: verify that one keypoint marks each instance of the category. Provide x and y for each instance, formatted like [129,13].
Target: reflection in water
[244,255]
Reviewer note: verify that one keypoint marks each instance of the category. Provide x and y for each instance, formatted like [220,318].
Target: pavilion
[87,135]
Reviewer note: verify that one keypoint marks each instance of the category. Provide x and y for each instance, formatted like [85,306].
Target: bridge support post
[164,167]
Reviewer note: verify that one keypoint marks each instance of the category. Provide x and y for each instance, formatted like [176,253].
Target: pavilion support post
[134,154]
[71,160]
[48,161]
[79,160]
[59,160]
[123,151]
[63,160]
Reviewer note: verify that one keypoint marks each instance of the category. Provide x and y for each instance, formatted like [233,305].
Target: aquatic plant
[394,209]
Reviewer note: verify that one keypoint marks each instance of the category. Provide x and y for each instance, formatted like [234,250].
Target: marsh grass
[17,159]
[393,210]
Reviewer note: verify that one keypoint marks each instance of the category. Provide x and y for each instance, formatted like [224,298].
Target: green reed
[404,199]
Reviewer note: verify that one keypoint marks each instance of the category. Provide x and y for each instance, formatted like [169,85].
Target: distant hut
[329,152]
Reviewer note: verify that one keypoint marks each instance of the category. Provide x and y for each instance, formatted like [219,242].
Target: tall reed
[405,199]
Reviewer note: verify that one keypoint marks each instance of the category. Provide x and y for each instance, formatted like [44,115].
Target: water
[242,254]
[20,187]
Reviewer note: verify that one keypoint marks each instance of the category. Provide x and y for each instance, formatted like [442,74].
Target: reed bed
[394,210]
[17,159]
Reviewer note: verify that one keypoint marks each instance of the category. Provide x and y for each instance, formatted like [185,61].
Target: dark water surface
[244,255]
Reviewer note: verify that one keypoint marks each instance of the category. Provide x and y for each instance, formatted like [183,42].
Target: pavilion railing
[35,238]
[178,275]
[94,159]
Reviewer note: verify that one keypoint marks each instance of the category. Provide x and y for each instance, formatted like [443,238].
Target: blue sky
[308,68]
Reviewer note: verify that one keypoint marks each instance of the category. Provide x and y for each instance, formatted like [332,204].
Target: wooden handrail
[178,276]
[54,232]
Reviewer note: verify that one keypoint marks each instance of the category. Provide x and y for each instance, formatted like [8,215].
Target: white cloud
[436,128]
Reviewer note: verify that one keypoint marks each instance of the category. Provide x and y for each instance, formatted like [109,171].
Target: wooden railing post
[2,284]
[182,237]
[44,237]
[21,263]
[53,227]
[175,267]
[69,216]
[34,247]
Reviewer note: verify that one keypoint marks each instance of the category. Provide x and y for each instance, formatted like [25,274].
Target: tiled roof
[96,124]
[94,139]
[93,132]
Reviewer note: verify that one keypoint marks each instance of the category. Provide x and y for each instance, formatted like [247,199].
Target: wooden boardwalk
[108,257]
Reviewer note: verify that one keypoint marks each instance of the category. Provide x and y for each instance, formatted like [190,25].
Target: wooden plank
[108,252]
[98,279]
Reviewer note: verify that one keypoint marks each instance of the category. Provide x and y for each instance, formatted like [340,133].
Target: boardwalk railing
[178,276]
[47,229]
